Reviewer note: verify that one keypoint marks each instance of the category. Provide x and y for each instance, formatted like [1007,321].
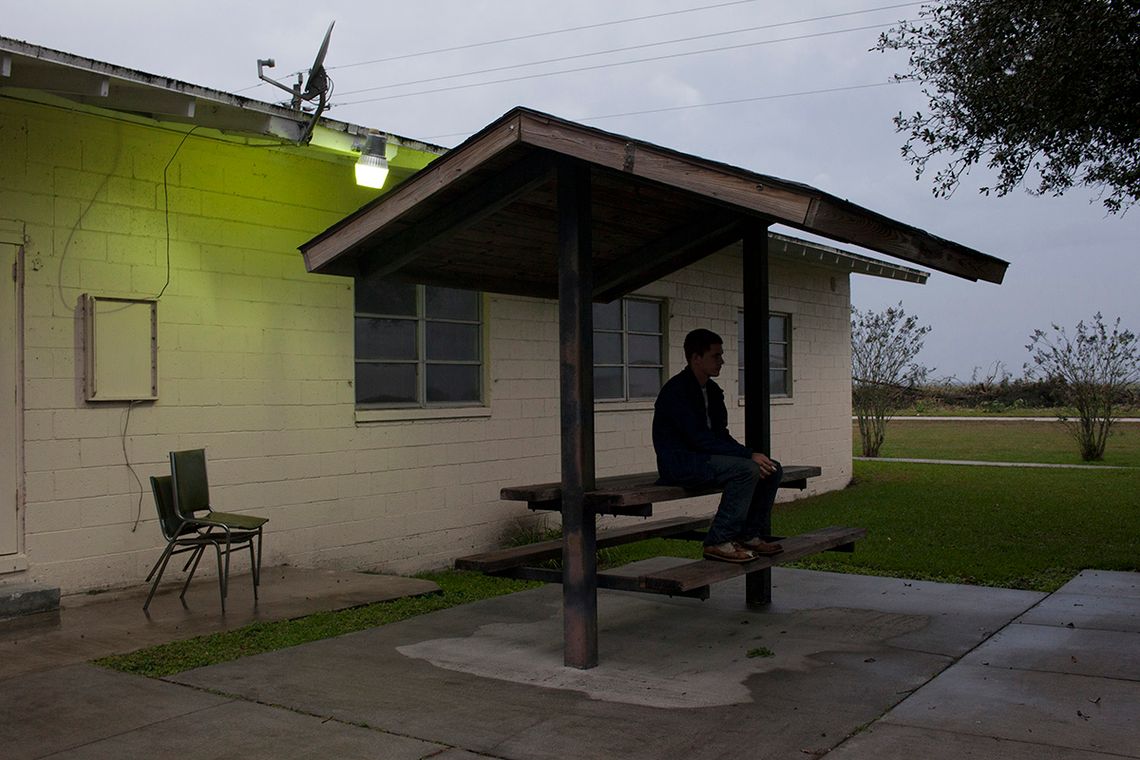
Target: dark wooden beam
[848,223]
[757,385]
[474,206]
[674,250]
[576,381]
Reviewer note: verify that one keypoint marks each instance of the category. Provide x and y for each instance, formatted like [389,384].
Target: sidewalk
[854,667]
[89,626]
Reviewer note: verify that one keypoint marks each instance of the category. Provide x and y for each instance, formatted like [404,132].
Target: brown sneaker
[760,546]
[728,552]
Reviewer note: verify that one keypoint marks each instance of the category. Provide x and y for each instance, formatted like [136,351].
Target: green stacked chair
[190,525]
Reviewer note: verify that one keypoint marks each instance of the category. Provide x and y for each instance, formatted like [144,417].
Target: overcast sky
[1068,259]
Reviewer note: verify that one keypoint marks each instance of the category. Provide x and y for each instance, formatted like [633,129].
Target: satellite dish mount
[318,87]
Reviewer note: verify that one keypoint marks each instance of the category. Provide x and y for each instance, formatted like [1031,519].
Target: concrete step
[22,601]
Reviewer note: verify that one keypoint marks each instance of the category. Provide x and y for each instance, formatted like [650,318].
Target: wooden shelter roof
[484,216]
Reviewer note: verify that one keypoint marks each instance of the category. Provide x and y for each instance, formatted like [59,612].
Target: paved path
[852,667]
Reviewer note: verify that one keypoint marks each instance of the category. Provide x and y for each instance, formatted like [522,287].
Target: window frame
[422,362]
[662,335]
[785,341]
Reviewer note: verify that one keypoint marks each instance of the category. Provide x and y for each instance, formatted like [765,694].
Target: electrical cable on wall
[79,220]
[131,467]
[166,204]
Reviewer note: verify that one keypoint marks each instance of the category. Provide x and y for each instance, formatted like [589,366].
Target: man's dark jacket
[681,436]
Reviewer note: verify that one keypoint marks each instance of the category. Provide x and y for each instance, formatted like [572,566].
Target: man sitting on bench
[694,449]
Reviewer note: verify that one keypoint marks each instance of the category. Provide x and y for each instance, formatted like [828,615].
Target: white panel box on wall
[122,348]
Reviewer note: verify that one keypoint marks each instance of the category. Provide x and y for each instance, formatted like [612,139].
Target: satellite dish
[318,87]
[318,80]
[318,83]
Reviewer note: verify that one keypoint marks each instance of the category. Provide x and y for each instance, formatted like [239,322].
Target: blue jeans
[745,509]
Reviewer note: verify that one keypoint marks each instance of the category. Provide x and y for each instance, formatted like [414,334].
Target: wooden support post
[576,324]
[757,383]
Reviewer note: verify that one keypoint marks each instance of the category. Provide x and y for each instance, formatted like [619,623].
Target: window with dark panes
[779,354]
[629,349]
[417,345]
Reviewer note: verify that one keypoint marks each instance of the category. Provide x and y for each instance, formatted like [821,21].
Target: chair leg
[257,575]
[222,575]
[161,558]
[161,567]
[253,570]
[195,557]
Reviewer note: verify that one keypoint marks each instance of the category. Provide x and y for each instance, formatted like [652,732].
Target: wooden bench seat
[687,579]
[499,560]
[680,579]
[634,494]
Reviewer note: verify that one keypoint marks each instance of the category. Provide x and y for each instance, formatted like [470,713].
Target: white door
[9,503]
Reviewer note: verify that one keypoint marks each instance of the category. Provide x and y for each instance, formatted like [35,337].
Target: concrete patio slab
[675,677]
[1091,611]
[1033,690]
[1105,583]
[1067,711]
[860,668]
[74,706]
[1075,651]
[883,741]
[246,730]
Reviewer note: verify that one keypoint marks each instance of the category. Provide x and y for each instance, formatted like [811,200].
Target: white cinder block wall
[256,365]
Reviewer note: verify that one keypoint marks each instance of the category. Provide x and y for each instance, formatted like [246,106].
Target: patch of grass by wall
[167,659]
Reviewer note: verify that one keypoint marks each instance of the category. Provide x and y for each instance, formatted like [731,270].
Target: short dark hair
[699,341]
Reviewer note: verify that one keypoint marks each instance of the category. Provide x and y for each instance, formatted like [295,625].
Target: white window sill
[13,563]
[773,401]
[366,416]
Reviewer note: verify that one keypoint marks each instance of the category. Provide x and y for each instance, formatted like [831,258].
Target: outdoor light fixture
[372,166]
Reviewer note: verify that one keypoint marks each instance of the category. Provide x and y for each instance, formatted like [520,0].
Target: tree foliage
[884,346]
[1049,87]
[1096,367]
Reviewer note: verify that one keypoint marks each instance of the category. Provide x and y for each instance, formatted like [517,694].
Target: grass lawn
[1018,528]
[999,441]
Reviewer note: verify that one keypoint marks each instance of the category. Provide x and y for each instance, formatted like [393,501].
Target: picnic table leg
[758,588]
[757,407]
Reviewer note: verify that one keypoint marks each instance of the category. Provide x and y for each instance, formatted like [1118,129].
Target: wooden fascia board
[804,208]
[676,249]
[663,167]
[878,233]
[475,205]
[423,185]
